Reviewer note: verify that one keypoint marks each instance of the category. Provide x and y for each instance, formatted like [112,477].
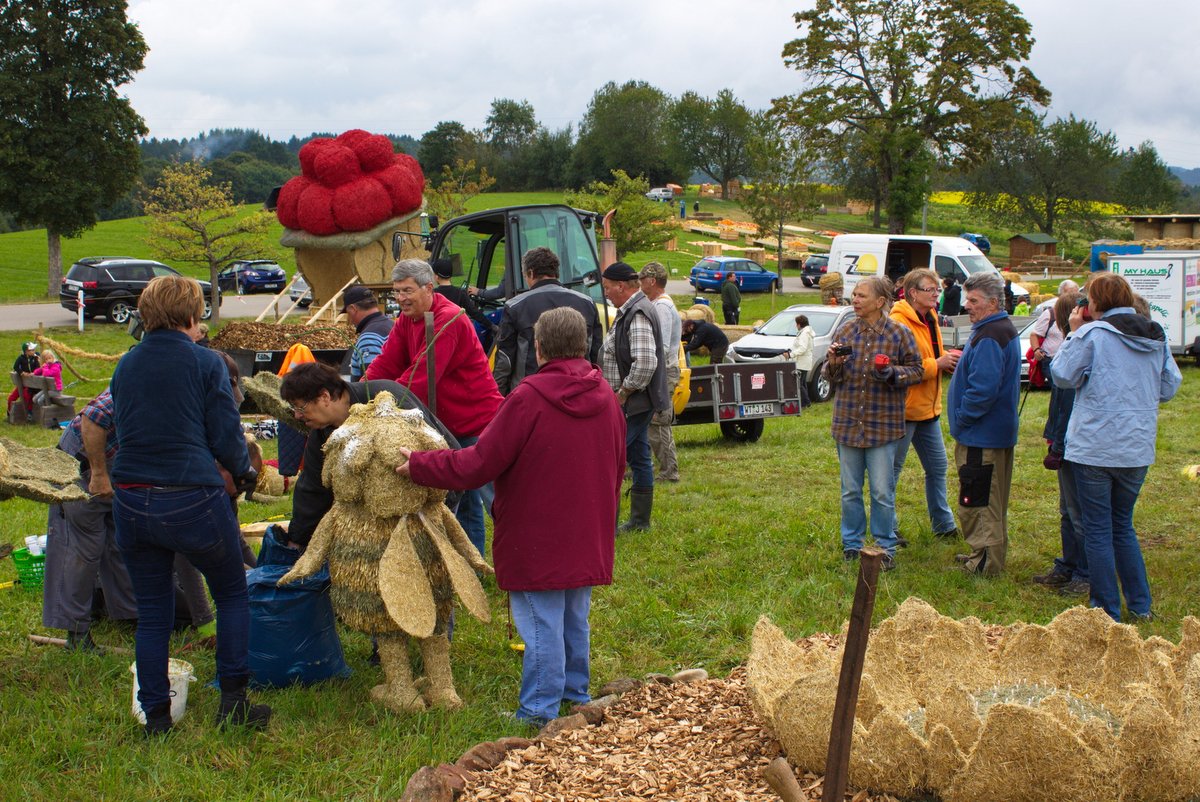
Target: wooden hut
[1023,247]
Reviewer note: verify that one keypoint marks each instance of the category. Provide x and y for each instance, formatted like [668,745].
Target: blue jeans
[926,439]
[877,463]
[637,449]
[557,664]
[471,507]
[1074,561]
[198,522]
[1107,497]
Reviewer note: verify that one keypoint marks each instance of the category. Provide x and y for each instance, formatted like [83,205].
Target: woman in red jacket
[555,513]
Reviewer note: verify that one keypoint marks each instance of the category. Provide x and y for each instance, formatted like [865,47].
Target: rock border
[447,781]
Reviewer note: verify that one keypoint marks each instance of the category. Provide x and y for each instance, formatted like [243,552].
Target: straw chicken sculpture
[397,556]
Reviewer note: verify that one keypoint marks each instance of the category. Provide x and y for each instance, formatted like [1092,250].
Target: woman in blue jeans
[175,420]
[1121,369]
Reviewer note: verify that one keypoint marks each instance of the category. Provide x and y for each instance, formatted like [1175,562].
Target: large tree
[639,224]
[195,221]
[916,79]
[1145,184]
[1046,176]
[440,148]
[510,125]
[781,169]
[625,128]
[68,140]
[711,135]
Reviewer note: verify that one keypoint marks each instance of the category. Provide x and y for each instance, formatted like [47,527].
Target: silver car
[300,292]
[772,340]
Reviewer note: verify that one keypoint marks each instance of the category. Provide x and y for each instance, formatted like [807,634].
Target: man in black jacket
[702,334]
[321,400]
[362,310]
[515,357]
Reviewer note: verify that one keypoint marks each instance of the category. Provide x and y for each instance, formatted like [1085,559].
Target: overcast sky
[401,67]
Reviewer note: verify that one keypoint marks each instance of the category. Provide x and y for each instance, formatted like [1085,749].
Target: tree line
[892,100]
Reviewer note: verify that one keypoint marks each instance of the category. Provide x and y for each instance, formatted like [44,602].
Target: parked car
[979,241]
[661,194]
[771,341]
[112,285]
[252,275]
[301,292]
[815,266]
[710,272]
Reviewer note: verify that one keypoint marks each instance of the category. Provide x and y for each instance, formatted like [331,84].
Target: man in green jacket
[731,299]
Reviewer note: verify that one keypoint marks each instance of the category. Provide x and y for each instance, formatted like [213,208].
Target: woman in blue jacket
[1121,369]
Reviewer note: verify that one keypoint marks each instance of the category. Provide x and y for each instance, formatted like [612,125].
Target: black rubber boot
[641,502]
[236,711]
[82,642]
[158,720]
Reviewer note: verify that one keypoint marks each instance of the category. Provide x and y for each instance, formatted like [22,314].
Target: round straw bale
[888,755]
[1155,757]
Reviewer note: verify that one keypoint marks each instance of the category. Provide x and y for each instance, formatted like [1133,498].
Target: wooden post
[837,762]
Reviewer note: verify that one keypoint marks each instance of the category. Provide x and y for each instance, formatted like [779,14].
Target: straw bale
[1100,738]
[951,653]
[1081,639]
[945,758]
[885,664]
[775,662]
[1123,664]
[263,389]
[1023,755]
[1026,656]
[701,312]
[1190,717]
[3,460]
[954,709]
[888,755]
[1056,704]
[1030,287]
[1155,757]
[1189,644]
[40,474]
[803,713]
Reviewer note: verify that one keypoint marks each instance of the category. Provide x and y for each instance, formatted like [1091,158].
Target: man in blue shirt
[982,408]
[373,327]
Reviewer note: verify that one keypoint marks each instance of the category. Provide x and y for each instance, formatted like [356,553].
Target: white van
[893,255]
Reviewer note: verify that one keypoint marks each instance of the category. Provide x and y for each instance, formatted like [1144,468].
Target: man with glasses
[321,400]
[923,408]
[464,392]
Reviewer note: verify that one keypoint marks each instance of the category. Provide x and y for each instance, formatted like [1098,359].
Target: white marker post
[81,310]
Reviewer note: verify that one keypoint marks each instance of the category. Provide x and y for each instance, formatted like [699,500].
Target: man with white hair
[982,408]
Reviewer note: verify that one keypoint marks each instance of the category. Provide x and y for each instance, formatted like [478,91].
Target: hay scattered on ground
[282,336]
[40,474]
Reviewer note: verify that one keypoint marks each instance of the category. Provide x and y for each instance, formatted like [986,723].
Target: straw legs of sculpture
[984,527]
[876,463]
[472,505]
[152,526]
[556,666]
[1113,552]
[662,438]
[400,691]
[926,439]
[81,551]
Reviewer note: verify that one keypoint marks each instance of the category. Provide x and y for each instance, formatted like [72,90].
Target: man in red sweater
[466,393]
[560,434]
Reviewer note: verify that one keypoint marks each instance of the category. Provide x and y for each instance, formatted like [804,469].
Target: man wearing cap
[635,370]
[653,278]
[443,271]
[362,310]
[515,357]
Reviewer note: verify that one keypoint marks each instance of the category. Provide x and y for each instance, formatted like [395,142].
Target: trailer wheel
[743,431]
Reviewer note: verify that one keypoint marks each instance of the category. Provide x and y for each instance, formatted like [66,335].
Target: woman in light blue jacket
[1121,369]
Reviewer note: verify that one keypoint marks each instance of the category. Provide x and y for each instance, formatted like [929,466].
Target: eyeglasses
[927,289]
[405,292]
[298,409]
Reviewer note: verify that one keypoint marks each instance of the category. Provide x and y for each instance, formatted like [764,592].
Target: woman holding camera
[872,361]
[1121,369]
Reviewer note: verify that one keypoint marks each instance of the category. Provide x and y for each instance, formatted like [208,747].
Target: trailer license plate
[757,410]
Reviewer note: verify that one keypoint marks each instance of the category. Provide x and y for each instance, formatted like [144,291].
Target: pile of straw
[1082,709]
[263,389]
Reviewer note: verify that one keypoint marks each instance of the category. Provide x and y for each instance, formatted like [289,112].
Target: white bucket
[179,672]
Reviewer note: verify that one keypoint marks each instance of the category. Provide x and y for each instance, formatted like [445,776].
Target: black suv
[112,285]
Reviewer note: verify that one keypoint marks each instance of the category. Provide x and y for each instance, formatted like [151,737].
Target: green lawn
[750,530]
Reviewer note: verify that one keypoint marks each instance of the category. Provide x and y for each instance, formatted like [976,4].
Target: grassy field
[750,530]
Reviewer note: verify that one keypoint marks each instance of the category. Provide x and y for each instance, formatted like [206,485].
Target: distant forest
[251,163]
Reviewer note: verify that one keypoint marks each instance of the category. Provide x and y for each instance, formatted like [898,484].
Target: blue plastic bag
[293,631]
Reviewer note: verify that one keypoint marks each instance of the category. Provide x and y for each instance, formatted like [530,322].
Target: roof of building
[1036,238]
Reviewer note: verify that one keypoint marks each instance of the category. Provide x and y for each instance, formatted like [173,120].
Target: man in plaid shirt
[631,361]
[868,412]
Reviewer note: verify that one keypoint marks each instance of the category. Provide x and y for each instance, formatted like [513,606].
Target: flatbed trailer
[741,396]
